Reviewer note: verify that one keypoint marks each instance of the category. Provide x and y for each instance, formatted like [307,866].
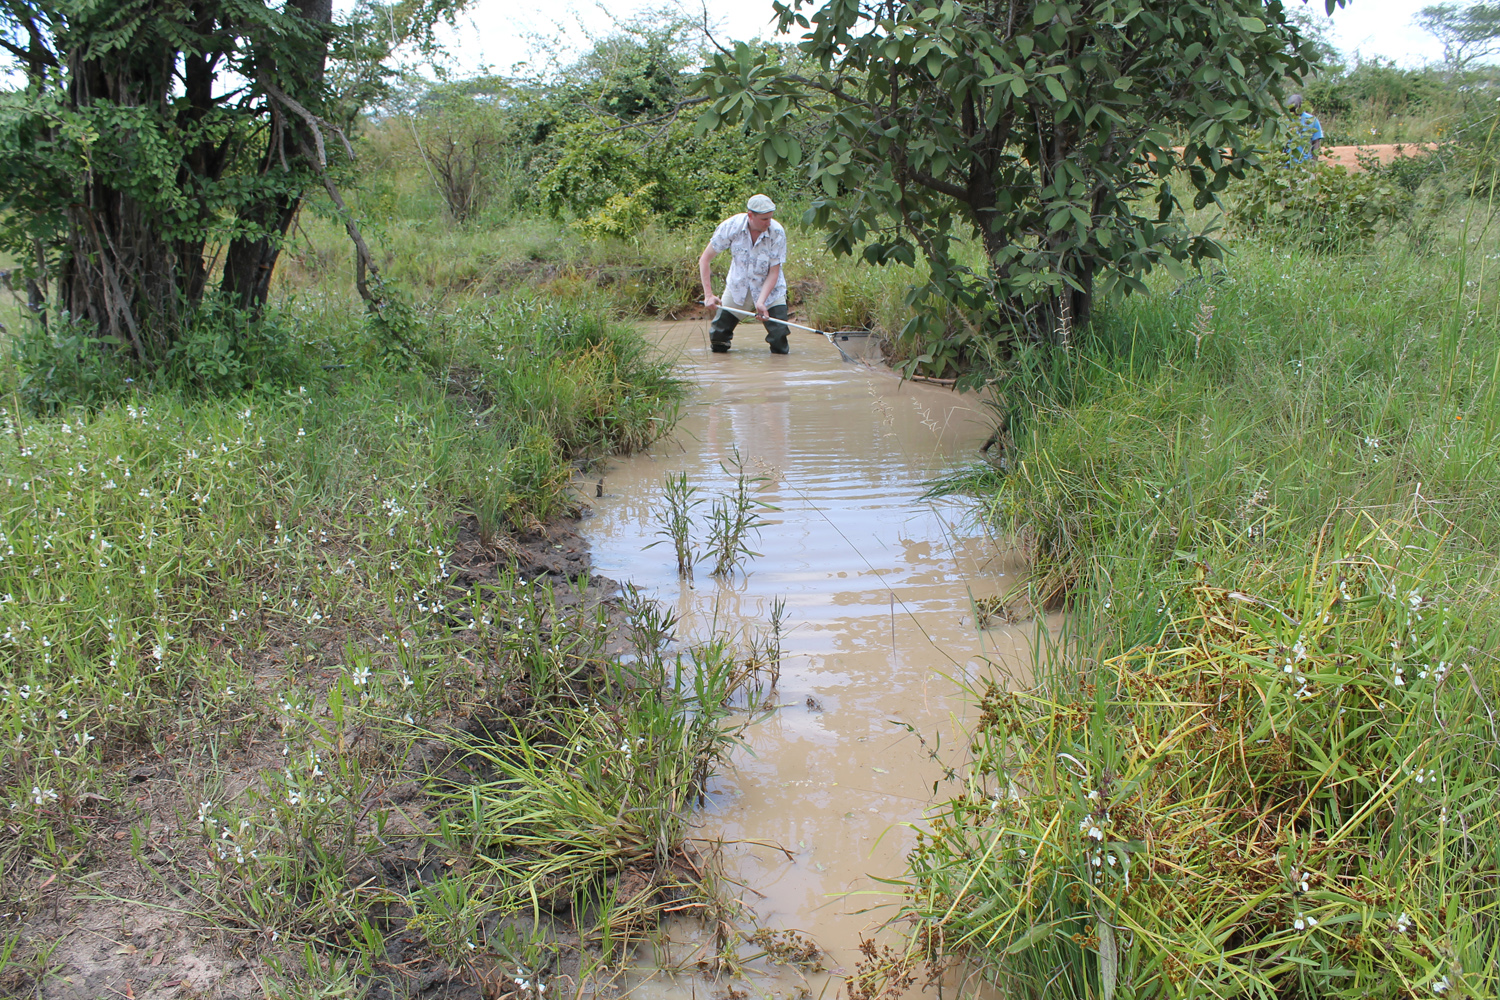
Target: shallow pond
[879,588]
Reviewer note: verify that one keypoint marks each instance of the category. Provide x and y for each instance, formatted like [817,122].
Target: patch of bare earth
[135,913]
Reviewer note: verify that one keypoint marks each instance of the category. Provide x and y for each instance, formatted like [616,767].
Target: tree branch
[942,187]
[30,56]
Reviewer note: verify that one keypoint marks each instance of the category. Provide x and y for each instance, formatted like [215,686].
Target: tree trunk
[250,261]
[119,273]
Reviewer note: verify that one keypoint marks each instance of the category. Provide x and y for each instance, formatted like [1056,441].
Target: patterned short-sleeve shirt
[751,260]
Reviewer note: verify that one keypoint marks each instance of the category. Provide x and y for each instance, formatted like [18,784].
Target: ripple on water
[878,587]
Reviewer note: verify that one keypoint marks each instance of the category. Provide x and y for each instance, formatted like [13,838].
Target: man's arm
[706,277]
[765,292]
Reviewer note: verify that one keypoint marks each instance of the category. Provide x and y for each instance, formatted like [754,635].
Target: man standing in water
[757,246]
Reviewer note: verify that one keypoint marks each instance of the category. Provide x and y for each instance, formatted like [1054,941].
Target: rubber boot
[776,332]
[721,332]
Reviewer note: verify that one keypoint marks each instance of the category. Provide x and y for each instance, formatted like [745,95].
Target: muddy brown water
[880,589]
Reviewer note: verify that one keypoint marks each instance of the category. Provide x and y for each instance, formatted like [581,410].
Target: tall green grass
[1262,759]
[250,602]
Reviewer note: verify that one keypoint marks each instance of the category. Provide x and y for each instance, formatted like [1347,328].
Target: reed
[733,517]
[679,500]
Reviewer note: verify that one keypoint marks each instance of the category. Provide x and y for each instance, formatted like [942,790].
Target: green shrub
[222,351]
[622,217]
[64,364]
[1318,205]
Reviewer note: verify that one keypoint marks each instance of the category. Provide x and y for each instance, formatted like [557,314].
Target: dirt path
[1348,157]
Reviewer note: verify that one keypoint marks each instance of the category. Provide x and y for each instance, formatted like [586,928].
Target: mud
[882,592]
[137,927]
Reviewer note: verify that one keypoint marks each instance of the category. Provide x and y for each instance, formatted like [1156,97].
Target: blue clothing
[1309,131]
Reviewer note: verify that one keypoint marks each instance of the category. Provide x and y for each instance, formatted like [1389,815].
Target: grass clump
[238,633]
[1260,759]
[1287,790]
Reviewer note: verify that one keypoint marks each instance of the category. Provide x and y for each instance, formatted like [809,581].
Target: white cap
[760,203]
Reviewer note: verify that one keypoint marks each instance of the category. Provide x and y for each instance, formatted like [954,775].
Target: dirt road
[1348,156]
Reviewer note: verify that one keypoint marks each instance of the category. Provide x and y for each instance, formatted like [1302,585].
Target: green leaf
[1036,935]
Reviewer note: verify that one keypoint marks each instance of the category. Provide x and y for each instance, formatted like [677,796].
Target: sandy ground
[1349,156]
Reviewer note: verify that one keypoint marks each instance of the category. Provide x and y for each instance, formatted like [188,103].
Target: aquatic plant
[679,500]
[733,517]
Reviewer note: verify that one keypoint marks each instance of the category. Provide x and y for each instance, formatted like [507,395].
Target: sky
[501,34]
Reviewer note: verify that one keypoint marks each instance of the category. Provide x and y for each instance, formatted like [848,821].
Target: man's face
[759,221]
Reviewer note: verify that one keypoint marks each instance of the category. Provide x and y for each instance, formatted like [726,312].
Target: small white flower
[362,675]
[1440,986]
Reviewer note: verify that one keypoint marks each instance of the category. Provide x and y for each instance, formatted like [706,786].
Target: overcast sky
[504,33]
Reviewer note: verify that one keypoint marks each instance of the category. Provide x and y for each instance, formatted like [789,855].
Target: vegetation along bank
[307,690]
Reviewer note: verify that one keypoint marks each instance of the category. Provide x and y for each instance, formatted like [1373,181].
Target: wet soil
[138,927]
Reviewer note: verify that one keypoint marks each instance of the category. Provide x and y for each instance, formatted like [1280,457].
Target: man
[757,245]
[1308,135]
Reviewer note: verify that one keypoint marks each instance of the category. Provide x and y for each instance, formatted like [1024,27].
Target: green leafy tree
[152,139]
[681,177]
[1469,32]
[1045,129]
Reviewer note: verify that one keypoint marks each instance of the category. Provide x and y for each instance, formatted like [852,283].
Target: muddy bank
[148,910]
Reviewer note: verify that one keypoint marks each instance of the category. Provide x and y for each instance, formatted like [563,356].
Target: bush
[220,352]
[223,351]
[1318,205]
[688,178]
[622,217]
[65,364]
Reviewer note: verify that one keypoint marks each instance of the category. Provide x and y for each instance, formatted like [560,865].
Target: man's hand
[711,300]
[761,313]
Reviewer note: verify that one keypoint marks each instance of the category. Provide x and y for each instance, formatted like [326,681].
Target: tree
[154,138]
[1468,31]
[1043,127]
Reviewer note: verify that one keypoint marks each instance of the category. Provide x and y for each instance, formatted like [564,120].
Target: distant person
[1309,132]
[757,246]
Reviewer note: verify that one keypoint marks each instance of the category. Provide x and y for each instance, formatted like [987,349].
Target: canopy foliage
[153,141]
[1045,129]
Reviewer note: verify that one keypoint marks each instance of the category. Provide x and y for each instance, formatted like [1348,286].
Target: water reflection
[879,589]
